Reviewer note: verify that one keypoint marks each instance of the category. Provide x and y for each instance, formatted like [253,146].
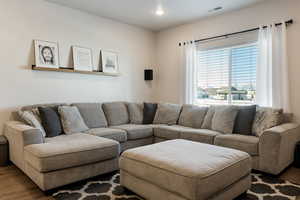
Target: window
[227,75]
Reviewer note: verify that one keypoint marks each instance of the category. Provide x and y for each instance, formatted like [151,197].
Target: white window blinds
[227,75]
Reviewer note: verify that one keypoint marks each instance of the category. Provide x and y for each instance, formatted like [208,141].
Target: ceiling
[142,12]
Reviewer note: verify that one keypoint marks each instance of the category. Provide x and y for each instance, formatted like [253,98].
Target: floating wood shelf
[74,71]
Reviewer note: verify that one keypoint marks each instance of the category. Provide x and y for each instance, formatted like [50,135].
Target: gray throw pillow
[244,120]
[135,112]
[224,119]
[167,114]
[266,118]
[71,120]
[208,118]
[30,118]
[149,112]
[192,116]
[51,121]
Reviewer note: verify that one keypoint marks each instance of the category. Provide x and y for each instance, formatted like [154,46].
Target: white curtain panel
[189,72]
[272,86]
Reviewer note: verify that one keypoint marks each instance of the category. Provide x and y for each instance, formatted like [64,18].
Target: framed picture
[82,58]
[46,54]
[109,62]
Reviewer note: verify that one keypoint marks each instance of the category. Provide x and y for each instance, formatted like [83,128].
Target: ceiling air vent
[216,9]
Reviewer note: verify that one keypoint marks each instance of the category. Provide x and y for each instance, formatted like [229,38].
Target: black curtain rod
[235,33]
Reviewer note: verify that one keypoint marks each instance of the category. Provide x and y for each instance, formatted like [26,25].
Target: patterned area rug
[107,187]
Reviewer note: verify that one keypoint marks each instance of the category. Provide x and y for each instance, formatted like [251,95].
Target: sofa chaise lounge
[116,126]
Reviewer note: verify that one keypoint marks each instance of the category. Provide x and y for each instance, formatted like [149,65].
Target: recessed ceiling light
[159,11]
[216,9]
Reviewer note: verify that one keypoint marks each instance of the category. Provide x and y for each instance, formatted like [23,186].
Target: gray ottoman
[185,170]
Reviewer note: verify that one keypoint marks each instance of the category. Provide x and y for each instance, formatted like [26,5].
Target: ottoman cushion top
[190,169]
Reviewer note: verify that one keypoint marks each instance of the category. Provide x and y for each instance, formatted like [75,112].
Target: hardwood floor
[292,174]
[16,185]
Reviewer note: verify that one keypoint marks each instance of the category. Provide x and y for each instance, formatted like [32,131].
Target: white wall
[260,14]
[22,21]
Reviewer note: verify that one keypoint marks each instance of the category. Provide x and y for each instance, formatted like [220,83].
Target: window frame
[229,98]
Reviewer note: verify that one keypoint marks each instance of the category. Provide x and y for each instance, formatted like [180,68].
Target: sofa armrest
[15,130]
[277,146]
[20,135]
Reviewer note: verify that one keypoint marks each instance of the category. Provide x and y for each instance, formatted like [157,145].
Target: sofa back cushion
[116,113]
[92,114]
[224,119]
[71,120]
[207,122]
[244,120]
[51,121]
[192,116]
[135,111]
[167,114]
[266,118]
[149,112]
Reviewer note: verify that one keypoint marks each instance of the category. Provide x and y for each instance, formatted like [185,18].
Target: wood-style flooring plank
[14,185]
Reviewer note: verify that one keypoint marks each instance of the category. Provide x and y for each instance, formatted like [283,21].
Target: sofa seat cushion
[244,143]
[114,134]
[182,132]
[66,151]
[166,132]
[199,135]
[169,132]
[136,131]
[191,169]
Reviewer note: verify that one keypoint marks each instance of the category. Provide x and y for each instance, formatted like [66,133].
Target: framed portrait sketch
[46,54]
[82,58]
[109,62]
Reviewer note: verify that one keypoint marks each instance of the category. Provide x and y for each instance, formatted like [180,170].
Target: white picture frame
[46,54]
[109,61]
[82,58]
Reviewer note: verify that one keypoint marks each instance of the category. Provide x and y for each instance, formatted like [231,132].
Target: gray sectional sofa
[117,126]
